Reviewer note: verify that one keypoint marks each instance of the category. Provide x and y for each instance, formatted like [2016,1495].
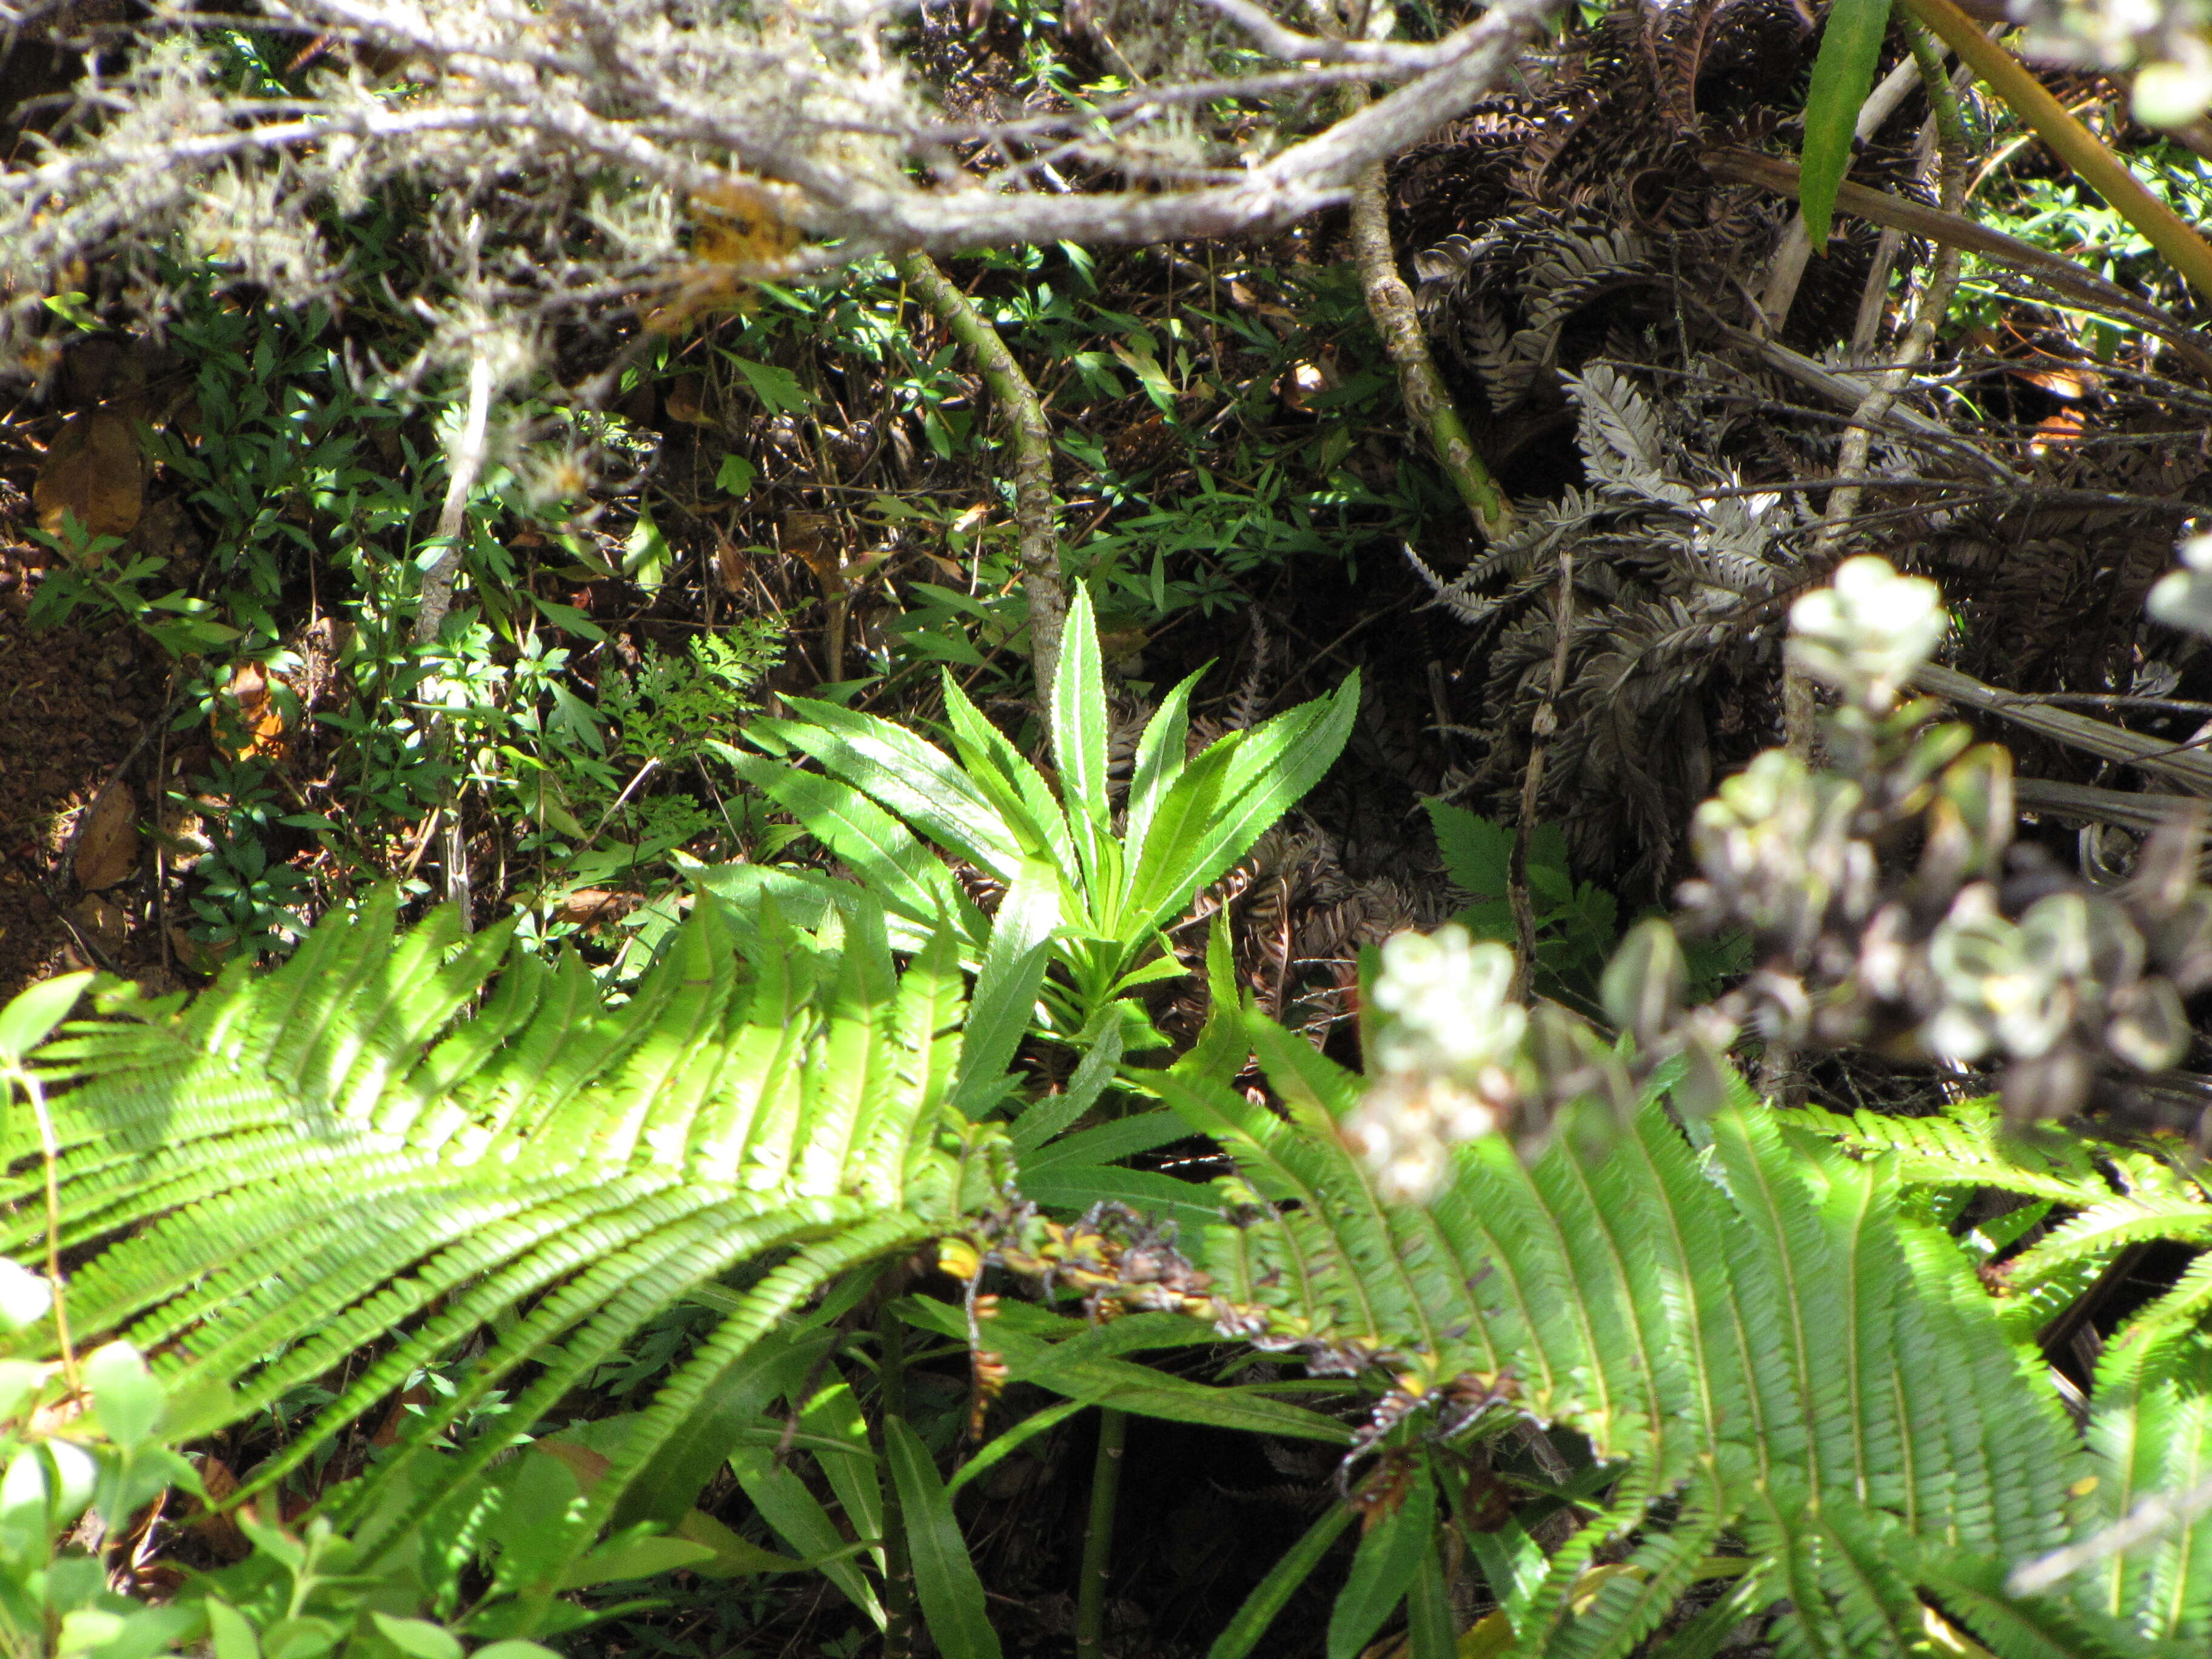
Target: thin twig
[1541,732]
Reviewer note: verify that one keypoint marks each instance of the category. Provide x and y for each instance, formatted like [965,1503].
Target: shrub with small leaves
[1885,906]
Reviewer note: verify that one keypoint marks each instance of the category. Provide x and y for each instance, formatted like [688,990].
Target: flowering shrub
[1957,952]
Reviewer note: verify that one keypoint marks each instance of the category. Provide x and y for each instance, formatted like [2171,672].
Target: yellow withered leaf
[741,232]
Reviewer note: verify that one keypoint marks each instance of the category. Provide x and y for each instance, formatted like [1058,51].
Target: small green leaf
[1013,967]
[645,557]
[1047,1117]
[418,1638]
[1275,1590]
[944,1575]
[668,1486]
[1388,1560]
[733,1557]
[1478,852]
[125,1395]
[639,1558]
[800,1521]
[912,777]
[1851,46]
[1079,732]
[1428,1634]
[833,1415]
[514,1648]
[232,1632]
[778,389]
[1160,758]
[735,476]
[26,1021]
[299,1639]
[1145,1392]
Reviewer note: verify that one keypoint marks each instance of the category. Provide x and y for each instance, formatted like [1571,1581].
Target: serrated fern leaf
[332,1161]
[2150,1430]
[1759,1341]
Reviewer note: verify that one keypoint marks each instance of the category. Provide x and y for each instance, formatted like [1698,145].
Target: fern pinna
[1796,1384]
[331,1160]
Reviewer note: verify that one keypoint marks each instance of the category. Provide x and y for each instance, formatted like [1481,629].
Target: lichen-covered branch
[1029,437]
[1428,404]
[545,104]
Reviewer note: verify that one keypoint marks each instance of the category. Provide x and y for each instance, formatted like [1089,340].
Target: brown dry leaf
[813,536]
[196,955]
[219,1530]
[741,232]
[731,566]
[105,922]
[587,905]
[680,402]
[2057,431]
[94,474]
[107,851]
[248,709]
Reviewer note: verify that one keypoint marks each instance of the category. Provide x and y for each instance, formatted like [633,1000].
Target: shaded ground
[74,705]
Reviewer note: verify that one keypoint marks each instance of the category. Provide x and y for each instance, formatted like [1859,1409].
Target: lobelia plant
[1087,889]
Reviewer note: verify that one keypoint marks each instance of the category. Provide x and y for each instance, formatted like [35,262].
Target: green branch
[1030,433]
[1390,302]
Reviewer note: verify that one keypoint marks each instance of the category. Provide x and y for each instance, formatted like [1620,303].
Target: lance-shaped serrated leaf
[915,779]
[1013,967]
[1078,733]
[1842,73]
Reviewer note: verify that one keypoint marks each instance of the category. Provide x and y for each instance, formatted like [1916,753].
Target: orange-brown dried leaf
[731,566]
[107,851]
[587,906]
[813,538]
[246,721]
[682,402]
[741,233]
[92,473]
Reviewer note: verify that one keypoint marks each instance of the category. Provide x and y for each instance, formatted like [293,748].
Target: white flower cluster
[1441,1068]
[2183,599]
[1866,632]
[2165,42]
[26,1296]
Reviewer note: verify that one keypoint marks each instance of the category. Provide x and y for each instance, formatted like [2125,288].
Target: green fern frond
[2115,1222]
[1757,1338]
[1970,1146]
[333,1160]
[2150,1432]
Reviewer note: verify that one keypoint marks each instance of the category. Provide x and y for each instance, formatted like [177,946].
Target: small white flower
[25,1295]
[2183,600]
[1867,631]
[1446,997]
